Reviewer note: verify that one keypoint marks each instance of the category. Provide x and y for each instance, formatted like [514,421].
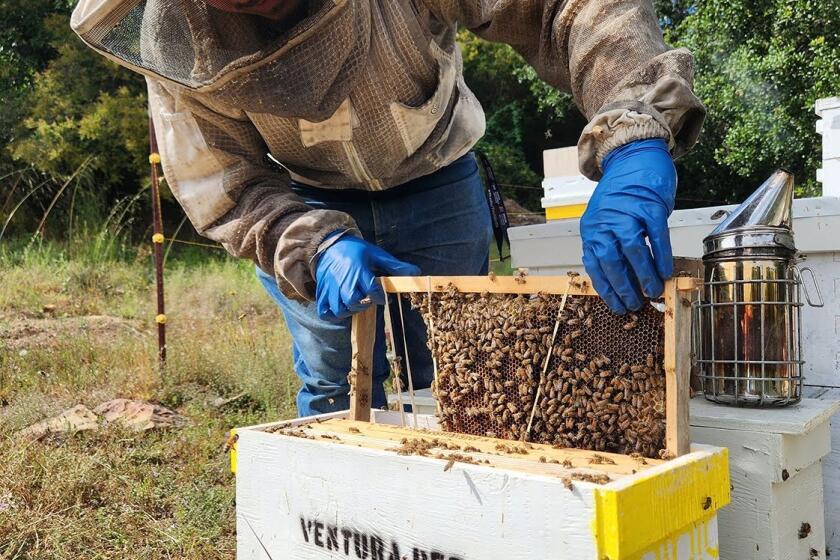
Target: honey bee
[230,443]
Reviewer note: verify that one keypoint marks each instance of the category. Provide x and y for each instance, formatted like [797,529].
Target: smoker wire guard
[748,389]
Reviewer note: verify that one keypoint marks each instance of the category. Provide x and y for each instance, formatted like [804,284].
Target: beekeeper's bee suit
[366,94]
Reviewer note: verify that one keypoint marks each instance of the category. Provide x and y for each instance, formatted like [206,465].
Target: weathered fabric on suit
[366,94]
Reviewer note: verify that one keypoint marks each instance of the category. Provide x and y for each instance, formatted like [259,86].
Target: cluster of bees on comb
[603,388]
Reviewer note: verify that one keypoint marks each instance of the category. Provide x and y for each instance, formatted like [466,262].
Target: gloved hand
[631,202]
[345,274]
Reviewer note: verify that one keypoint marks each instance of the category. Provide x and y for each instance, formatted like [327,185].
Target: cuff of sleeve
[614,128]
[301,241]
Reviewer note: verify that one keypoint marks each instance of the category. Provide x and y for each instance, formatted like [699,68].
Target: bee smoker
[748,335]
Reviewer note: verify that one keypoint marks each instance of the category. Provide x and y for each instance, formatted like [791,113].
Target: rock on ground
[77,419]
[131,414]
[138,415]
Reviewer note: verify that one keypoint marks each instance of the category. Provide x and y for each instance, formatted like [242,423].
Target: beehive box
[389,485]
[330,487]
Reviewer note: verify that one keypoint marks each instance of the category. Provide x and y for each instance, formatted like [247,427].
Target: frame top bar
[576,286]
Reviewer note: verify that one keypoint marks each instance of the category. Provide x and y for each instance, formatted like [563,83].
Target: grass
[77,326]
[500,267]
[76,329]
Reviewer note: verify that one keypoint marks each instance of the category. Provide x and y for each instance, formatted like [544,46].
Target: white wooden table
[831,470]
[776,468]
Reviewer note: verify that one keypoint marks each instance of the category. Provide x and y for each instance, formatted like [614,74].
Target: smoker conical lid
[763,220]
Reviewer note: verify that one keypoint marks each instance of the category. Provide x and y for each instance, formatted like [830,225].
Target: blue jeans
[441,223]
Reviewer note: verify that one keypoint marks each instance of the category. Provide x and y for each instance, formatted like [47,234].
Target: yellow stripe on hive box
[566,191]
[570,212]
[230,447]
[658,510]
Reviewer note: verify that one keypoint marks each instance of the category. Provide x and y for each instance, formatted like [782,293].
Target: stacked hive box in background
[566,190]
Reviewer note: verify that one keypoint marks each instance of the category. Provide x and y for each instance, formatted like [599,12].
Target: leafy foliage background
[67,113]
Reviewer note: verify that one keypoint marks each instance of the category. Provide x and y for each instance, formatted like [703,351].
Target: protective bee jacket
[366,94]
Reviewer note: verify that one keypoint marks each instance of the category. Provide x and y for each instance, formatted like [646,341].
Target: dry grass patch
[83,332]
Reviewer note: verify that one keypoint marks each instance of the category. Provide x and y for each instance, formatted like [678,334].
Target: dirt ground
[20,332]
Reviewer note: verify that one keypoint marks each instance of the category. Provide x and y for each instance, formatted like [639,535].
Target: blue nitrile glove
[345,274]
[631,202]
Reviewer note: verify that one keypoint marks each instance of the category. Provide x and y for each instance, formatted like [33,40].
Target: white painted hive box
[332,488]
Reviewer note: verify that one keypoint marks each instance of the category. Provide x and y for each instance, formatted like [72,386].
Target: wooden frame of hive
[680,292]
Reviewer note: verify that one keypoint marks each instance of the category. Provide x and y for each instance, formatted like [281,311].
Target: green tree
[81,105]
[761,65]
[79,112]
[524,116]
[25,49]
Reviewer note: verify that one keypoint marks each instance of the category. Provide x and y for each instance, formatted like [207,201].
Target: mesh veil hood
[246,61]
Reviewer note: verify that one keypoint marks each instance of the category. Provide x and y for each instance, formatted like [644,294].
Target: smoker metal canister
[748,335]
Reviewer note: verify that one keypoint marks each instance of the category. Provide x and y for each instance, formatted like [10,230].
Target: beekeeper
[329,141]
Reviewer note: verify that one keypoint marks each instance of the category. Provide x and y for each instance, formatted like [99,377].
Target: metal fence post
[157,243]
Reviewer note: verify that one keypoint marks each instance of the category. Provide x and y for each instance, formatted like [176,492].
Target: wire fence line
[521,187]
[194,243]
[679,198]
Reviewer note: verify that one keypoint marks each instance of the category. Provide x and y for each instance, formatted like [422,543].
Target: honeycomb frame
[630,408]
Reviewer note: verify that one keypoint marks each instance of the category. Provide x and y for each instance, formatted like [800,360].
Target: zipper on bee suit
[358,167]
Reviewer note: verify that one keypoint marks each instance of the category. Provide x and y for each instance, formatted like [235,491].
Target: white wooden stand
[831,472]
[776,469]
